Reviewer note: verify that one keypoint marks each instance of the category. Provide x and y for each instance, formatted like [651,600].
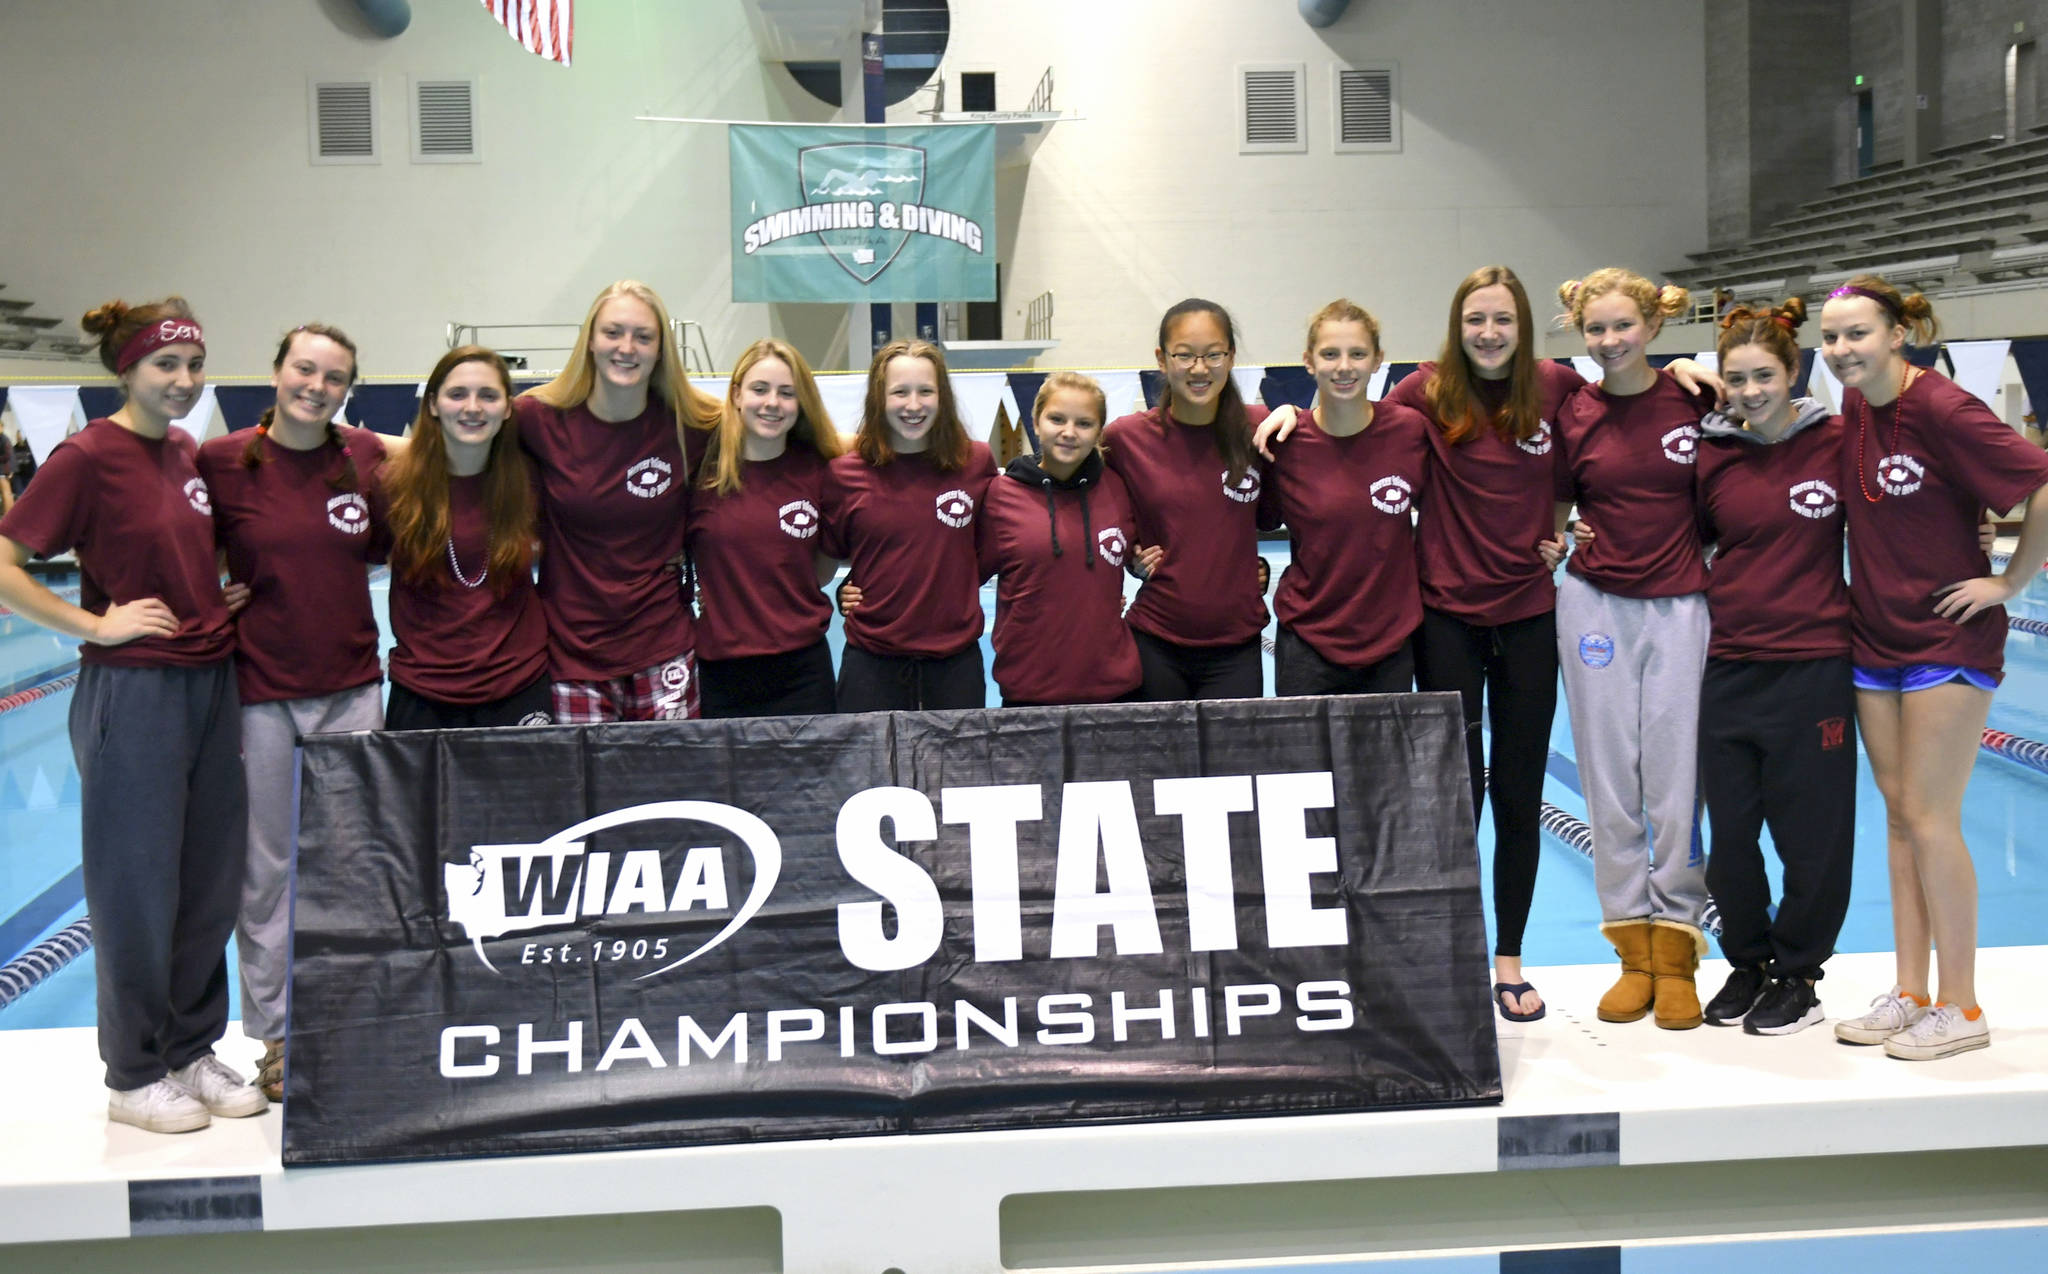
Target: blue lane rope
[33,967]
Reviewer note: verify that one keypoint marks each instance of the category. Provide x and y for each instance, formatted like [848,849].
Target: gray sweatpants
[270,738]
[161,821]
[1632,679]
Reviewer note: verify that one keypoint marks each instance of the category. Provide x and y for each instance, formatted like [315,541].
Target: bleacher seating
[23,334]
[1972,213]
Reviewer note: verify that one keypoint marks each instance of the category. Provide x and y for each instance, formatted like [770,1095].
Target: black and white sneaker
[1737,994]
[1787,1005]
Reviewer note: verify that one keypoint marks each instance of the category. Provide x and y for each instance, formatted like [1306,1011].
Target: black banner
[596,937]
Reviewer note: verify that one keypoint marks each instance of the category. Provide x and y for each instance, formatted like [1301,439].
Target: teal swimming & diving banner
[863,214]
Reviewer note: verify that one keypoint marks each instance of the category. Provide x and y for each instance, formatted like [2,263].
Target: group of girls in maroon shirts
[683,544]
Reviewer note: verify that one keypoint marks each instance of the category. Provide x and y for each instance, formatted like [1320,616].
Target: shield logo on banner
[862,172]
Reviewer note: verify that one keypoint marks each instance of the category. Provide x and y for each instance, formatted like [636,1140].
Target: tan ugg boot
[1629,998]
[1675,951]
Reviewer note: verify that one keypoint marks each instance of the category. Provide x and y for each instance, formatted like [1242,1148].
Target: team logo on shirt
[798,518]
[1111,544]
[1682,445]
[1391,494]
[1814,499]
[955,508]
[349,513]
[650,477]
[1596,650]
[1900,474]
[1538,443]
[1247,488]
[201,499]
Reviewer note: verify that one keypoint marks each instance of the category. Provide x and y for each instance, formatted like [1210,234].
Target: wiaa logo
[1538,443]
[1246,489]
[349,513]
[198,496]
[650,477]
[1391,494]
[1900,474]
[1814,499]
[798,518]
[955,508]
[1681,445]
[514,888]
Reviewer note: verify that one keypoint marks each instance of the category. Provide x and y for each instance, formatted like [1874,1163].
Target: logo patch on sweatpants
[1596,650]
[1834,733]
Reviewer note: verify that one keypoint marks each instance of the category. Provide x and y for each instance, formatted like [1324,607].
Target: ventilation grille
[1270,102]
[344,123]
[1368,115]
[444,120]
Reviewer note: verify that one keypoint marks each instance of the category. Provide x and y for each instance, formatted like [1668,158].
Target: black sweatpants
[1299,670]
[409,710]
[163,821]
[1173,671]
[796,683]
[1778,748]
[1514,667]
[893,683]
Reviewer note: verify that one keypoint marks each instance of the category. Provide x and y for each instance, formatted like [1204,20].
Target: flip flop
[1501,989]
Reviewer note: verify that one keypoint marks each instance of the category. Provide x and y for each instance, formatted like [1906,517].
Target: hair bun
[105,318]
[1568,290]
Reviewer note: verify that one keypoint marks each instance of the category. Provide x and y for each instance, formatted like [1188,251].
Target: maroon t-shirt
[1206,590]
[1491,502]
[1934,469]
[614,504]
[907,528]
[1774,510]
[754,551]
[1350,591]
[304,549]
[139,517]
[463,645]
[1628,461]
[1060,635]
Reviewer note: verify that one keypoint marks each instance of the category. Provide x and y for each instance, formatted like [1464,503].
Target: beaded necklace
[456,566]
[1865,426]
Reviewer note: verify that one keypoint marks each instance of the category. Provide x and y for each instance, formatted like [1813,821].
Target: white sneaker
[1889,1014]
[164,1106]
[1943,1032]
[222,1091]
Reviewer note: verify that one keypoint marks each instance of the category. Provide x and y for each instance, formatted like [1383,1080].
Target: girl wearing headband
[1921,458]
[614,439]
[1632,639]
[472,643]
[1055,533]
[155,724]
[1195,483]
[1776,746]
[759,543]
[291,506]
[903,504]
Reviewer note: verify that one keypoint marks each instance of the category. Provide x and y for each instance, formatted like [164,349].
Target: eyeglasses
[1186,362]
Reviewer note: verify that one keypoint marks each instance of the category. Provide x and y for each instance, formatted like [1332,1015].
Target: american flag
[547,28]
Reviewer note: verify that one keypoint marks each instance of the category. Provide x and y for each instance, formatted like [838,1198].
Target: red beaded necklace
[1865,427]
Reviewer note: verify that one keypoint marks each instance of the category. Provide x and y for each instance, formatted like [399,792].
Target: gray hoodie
[1806,412]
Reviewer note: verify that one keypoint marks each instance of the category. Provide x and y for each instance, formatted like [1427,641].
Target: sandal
[1501,990]
[270,1071]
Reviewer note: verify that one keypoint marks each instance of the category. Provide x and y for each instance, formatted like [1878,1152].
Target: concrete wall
[1555,135]
[1777,71]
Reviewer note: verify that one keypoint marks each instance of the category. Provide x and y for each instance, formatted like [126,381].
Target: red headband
[171,331]
[1884,302]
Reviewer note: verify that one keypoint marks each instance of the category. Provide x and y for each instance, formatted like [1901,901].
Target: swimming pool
[41,893]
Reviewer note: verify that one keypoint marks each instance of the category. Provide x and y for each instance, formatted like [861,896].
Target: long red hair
[416,487]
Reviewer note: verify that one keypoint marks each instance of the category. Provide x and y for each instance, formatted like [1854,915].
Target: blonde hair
[1912,311]
[571,388]
[1342,310]
[813,425]
[1652,301]
[1072,381]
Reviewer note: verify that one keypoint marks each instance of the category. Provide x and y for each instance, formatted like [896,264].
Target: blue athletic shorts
[1920,677]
